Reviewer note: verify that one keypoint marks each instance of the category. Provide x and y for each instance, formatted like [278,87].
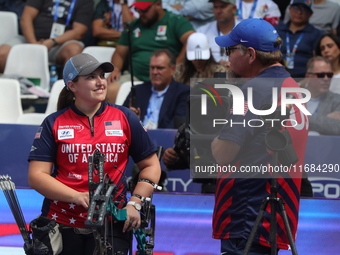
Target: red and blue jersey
[67,139]
[238,200]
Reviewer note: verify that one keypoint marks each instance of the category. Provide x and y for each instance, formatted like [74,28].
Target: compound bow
[102,208]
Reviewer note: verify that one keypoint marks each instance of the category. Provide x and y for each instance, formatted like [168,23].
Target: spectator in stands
[299,38]
[324,105]
[60,31]
[109,19]
[326,16]
[198,12]
[265,9]
[155,28]
[161,102]
[199,62]
[224,12]
[329,47]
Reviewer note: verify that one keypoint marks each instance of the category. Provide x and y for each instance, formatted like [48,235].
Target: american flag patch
[113,128]
[38,133]
[112,125]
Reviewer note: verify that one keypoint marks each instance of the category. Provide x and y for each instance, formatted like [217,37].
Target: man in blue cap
[253,47]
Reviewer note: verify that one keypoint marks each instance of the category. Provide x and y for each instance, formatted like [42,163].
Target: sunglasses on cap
[322,75]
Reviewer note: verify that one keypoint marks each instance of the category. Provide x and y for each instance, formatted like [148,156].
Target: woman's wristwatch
[137,205]
[55,43]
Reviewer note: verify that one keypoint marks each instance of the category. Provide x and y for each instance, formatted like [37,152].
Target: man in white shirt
[198,12]
[224,12]
[261,9]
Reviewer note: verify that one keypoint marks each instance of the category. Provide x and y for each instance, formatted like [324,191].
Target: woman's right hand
[82,198]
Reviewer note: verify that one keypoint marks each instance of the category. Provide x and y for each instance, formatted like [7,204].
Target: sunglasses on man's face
[229,49]
[323,75]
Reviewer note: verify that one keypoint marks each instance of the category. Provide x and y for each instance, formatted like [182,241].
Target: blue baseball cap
[83,64]
[256,33]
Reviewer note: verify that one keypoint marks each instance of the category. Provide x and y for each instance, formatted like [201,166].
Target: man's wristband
[123,1]
[55,43]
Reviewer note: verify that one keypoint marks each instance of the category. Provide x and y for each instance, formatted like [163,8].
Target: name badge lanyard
[69,15]
[251,15]
[222,50]
[115,23]
[148,123]
[148,112]
[290,55]
[223,56]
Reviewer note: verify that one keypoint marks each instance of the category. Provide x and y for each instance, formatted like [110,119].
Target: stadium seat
[10,101]
[124,91]
[37,118]
[8,26]
[101,53]
[54,95]
[31,62]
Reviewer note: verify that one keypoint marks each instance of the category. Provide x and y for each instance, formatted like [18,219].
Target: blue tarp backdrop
[321,156]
